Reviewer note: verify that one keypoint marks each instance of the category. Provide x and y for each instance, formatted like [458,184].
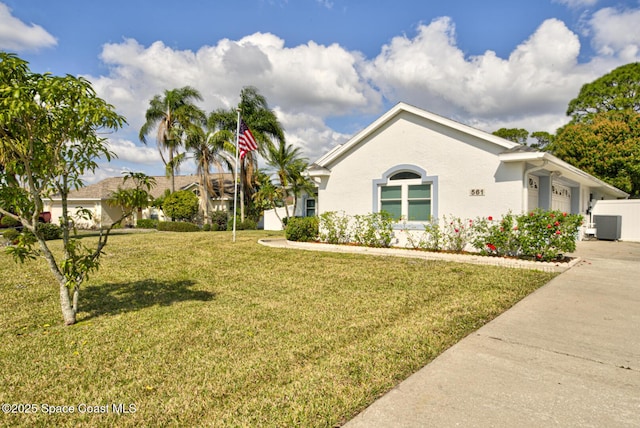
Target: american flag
[246,142]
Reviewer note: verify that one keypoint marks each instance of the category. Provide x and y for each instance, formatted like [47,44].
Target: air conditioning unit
[608,226]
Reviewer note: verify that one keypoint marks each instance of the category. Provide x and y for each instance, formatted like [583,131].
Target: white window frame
[385,180]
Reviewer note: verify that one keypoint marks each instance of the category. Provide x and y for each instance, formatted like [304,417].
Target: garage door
[561,197]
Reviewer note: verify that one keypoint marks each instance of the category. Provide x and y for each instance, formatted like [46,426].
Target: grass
[193,330]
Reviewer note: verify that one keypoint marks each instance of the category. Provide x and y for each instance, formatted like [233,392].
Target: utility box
[608,227]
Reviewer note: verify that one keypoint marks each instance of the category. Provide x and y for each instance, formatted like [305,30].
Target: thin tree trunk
[76,296]
[68,314]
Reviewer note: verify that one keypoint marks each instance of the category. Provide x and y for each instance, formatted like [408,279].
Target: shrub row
[48,231]
[177,226]
[372,230]
[539,235]
[147,223]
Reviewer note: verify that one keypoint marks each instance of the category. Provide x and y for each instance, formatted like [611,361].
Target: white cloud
[576,4]
[615,33]
[127,151]
[311,81]
[310,133]
[15,35]
[430,71]
[310,85]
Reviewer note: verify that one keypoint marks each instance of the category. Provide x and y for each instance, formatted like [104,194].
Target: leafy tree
[544,139]
[50,129]
[513,134]
[617,90]
[181,205]
[607,145]
[173,115]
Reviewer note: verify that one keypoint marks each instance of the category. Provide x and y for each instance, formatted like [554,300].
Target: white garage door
[561,198]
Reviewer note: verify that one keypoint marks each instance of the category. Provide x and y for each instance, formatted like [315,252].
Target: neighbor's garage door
[561,198]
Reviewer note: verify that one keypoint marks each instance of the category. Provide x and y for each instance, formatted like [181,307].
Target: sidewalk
[567,355]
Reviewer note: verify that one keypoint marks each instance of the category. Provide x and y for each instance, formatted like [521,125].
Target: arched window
[407,193]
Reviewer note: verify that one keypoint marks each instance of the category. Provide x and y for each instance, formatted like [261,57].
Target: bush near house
[302,229]
[539,235]
[181,205]
[219,220]
[247,224]
[49,231]
[334,227]
[373,230]
[147,223]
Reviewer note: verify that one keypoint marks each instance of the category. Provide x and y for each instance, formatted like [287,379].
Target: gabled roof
[103,189]
[512,152]
[340,151]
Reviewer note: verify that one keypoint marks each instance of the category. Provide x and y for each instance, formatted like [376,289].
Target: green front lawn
[190,329]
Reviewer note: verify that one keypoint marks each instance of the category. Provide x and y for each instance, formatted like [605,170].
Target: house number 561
[477,192]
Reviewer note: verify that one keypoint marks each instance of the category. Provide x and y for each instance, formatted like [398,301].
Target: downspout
[525,183]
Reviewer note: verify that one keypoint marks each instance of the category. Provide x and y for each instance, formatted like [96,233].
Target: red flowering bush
[541,235]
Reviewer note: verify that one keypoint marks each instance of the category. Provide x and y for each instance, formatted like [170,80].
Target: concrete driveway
[567,355]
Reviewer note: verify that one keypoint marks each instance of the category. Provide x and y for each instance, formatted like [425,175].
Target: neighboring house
[94,198]
[421,166]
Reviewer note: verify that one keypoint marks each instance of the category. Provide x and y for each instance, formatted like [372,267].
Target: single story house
[93,197]
[421,166]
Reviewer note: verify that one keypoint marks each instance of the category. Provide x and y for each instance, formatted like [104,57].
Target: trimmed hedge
[177,226]
[247,224]
[302,229]
[147,223]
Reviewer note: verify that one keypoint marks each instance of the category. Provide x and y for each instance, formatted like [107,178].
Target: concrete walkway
[567,355]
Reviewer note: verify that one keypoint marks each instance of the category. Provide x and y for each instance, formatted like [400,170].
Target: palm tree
[264,126]
[173,114]
[267,196]
[289,167]
[210,149]
[300,182]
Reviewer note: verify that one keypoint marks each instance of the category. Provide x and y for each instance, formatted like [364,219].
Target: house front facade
[420,166]
[94,198]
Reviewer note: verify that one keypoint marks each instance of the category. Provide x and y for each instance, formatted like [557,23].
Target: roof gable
[339,152]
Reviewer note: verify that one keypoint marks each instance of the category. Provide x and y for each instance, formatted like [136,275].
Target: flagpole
[235,178]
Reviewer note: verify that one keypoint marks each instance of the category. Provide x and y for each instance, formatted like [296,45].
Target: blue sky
[329,67]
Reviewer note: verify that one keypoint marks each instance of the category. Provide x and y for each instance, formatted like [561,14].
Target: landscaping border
[476,259]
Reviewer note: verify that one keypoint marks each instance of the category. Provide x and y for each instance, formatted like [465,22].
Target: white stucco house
[421,166]
[94,198]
